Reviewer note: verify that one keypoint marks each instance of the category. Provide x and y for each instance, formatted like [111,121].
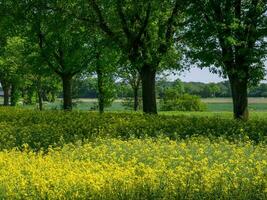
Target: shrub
[175,102]
[128,103]
[54,128]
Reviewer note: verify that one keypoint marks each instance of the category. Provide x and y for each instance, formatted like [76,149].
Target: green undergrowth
[55,128]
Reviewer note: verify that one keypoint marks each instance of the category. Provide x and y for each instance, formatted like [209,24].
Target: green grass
[216,114]
[216,105]
[229,107]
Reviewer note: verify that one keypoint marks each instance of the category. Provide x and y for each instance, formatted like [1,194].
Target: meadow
[83,155]
[257,104]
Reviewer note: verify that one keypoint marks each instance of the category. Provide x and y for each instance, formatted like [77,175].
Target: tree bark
[148,77]
[136,102]
[100,84]
[14,96]
[40,100]
[67,91]
[6,95]
[39,93]
[239,89]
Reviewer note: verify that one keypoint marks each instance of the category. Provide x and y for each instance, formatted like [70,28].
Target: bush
[128,103]
[55,128]
[175,102]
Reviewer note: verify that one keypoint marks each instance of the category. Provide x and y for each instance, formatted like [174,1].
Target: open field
[225,104]
[251,100]
[213,104]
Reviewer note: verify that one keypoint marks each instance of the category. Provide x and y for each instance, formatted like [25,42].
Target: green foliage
[84,87]
[15,95]
[12,61]
[164,84]
[55,128]
[204,90]
[128,103]
[174,101]
[228,36]
[109,91]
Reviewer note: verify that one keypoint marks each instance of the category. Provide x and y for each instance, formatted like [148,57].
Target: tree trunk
[148,77]
[6,95]
[101,98]
[136,103]
[239,90]
[39,92]
[14,95]
[40,99]
[67,91]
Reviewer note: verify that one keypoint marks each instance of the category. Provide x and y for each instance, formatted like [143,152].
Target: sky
[201,75]
[197,75]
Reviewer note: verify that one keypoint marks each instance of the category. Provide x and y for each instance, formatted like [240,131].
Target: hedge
[55,128]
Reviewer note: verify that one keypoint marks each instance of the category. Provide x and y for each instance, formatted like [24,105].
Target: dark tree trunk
[14,96]
[239,90]
[39,93]
[6,95]
[136,103]
[40,100]
[67,91]
[148,77]
[100,84]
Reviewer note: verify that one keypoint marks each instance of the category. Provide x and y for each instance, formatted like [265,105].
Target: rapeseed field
[159,168]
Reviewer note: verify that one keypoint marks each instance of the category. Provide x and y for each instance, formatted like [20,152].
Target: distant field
[229,106]
[213,104]
[225,104]
[252,100]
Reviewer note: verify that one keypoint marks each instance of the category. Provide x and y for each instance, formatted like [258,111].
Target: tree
[214,89]
[104,62]
[62,41]
[144,30]
[228,36]
[5,23]
[131,77]
[41,79]
[84,86]
[259,91]
[12,68]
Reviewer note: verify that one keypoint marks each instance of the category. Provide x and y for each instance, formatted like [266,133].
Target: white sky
[196,75]
[200,75]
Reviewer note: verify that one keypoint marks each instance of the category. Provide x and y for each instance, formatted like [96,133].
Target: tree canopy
[45,42]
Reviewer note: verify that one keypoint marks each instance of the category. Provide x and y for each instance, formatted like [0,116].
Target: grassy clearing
[251,100]
[213,105]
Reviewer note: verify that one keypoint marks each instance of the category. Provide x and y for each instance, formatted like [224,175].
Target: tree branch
[102,23]
[163,48]
[41,42]
[145,24]
[170,23]
[125,28]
